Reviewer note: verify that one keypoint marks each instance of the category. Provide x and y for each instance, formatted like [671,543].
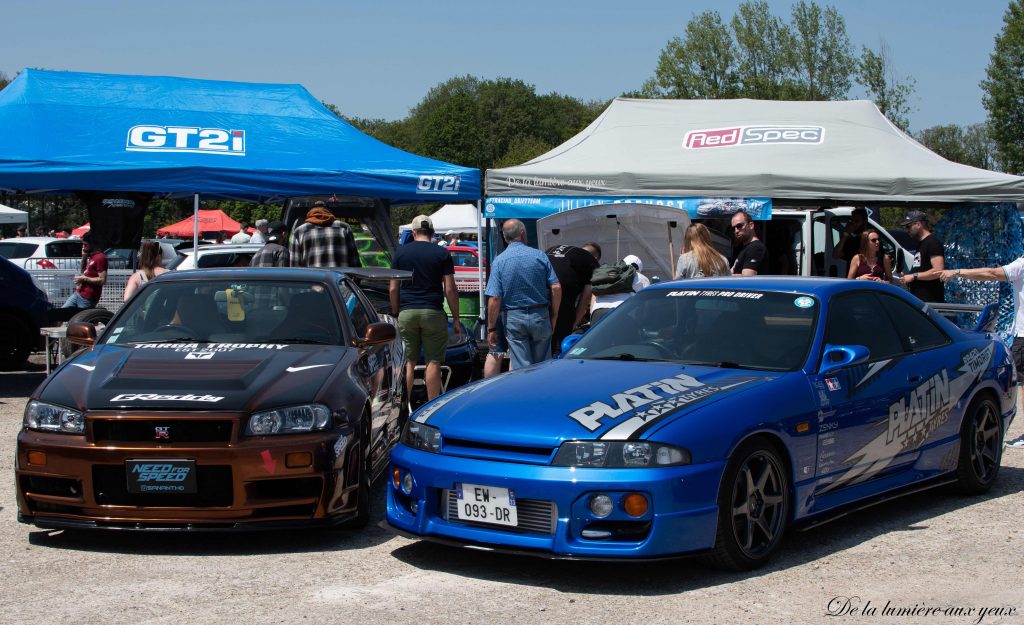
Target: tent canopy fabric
[80,230]
[209,221]
[177,136]
[459,218]
[10,215]
[840,151]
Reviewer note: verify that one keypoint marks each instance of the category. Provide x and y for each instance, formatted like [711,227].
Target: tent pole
[480,261]
[195,226]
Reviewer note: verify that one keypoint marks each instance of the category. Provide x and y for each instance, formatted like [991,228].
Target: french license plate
[487,504]
[161,476]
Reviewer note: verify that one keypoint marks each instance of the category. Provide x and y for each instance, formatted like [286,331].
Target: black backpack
[610,279]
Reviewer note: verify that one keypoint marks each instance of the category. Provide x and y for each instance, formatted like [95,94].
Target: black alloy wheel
[981,447]
[753,507]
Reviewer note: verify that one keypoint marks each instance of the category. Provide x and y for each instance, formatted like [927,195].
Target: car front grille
[214,489]
[177,431]
[534,516]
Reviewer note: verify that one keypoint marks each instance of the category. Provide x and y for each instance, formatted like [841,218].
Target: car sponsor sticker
[753,135]
[199,355]
[210,347]
[157,397]
[803,302]
[714,293]
[833,384]
[145,138]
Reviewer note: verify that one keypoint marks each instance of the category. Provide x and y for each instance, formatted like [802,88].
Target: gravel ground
[930,550]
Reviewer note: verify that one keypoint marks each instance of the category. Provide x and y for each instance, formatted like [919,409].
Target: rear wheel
[753,507]
[16,340]
[981,447]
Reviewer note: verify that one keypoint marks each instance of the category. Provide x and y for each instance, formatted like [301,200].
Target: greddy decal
[155,397]
[914,418]
[675,392]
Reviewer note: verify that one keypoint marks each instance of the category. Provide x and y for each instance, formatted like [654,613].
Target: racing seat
[199,313]
[310,316]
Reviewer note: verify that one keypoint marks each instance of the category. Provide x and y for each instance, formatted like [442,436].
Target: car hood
[196,376]
[543,405]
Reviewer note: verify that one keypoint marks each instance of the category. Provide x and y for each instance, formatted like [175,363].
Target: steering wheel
[664,350]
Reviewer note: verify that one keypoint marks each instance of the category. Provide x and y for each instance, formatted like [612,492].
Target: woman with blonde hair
[870,263]
[699,259]
[149,266]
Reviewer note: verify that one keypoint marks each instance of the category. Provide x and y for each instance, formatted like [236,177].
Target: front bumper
[242,482]
[681,517]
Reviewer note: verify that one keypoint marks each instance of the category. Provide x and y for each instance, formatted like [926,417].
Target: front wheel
[981,447]
[753,507]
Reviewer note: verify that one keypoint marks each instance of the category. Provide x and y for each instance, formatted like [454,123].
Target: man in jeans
[419,304]
[89,283]
[525,292]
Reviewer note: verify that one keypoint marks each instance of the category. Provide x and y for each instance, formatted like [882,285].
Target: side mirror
[81,333]
[568,342]
[377,334]
[839,356]
[988,319]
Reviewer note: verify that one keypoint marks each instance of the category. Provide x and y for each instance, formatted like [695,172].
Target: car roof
[298,274]
[224,247]
[820,287]
[37,240]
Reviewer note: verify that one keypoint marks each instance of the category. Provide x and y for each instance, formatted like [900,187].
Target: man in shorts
[419,304]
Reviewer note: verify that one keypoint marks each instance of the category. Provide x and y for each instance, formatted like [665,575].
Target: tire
[753,506]
[95,316]
[981,447]
[16,341]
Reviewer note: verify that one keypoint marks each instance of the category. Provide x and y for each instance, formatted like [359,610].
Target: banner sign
[535,207]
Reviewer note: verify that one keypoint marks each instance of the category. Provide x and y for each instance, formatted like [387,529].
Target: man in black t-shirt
[573,266]
[924,277]
[753,258]
[849,243]
[419,305]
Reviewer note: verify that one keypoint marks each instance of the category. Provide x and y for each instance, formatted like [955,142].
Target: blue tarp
[63,131]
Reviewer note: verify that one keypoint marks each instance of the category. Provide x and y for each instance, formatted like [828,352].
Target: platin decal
[833,384]
[709,293]
[155,397]
[914,418]
[660,398]
[425,413]
[210,347]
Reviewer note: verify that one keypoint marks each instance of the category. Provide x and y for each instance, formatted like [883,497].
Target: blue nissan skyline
[708,416]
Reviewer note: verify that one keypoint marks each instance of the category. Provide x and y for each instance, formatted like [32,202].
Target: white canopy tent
[10,215]
[459,218]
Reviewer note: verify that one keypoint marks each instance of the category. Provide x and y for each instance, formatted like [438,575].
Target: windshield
[742,329]
[227,311]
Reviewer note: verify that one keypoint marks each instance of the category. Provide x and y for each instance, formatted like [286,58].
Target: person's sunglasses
[739,226]
[873,240]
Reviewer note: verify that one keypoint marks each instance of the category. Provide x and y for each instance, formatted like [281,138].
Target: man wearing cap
[273,253]
[418,305]
[260,236]
[323,241]
[525,293]
[923,279]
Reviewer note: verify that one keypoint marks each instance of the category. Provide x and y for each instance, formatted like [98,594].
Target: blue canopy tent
[69,131]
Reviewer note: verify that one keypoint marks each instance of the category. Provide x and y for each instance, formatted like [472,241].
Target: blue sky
[379,58]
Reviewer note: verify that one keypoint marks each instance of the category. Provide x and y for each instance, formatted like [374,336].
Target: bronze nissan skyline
[218,399]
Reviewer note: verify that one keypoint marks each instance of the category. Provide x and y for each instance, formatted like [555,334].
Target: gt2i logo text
[439,185]
[754,135]
[186,139]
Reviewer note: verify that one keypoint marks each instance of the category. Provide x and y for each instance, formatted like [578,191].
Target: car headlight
[290,420]
[52,418]
[619,454]
[421,436]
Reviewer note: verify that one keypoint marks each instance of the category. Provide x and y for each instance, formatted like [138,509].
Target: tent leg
[480,261]
[195,226]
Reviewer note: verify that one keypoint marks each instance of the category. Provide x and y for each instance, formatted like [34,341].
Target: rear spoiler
[987,320]
[375,273]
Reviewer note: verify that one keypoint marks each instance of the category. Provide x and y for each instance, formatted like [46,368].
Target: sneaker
[1017,443]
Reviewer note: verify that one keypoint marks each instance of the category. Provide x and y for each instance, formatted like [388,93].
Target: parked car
[709,416]
[24,309]
[236,398]
[223,255]
[467,267]
[42,252]
[128,257]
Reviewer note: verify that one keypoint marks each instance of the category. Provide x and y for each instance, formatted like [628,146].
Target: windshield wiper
[626,356]
[303,341]
[721,364]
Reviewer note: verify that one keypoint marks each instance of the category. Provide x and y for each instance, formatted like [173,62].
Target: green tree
[4,80]
[891,93]
[764,52]
[702,64]
[969,145]
[821,55]
[1004,91]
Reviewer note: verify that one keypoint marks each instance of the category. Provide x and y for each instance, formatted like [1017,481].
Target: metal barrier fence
[59,284]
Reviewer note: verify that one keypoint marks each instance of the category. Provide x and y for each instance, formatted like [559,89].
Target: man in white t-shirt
[1014,274]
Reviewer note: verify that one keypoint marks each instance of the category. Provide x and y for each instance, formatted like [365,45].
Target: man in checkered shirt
[322,241]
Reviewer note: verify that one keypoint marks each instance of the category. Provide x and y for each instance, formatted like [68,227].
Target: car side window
[859,319]
[64,249]
[915,329]
[357,311]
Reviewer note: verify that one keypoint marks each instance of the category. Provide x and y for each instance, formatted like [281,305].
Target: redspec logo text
[438,185]
[753,135]
[186,139]
[155,397]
